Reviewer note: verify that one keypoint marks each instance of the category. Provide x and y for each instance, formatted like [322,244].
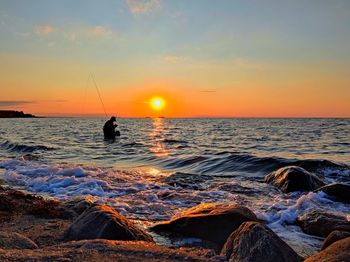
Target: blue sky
[266,30]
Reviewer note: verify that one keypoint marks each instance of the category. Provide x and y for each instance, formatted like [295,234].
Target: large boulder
[101,221]
[338,251]
[14,240]
[337,192]
[255,242]
[319,223]
[334,237]
[294,178]
[212,222]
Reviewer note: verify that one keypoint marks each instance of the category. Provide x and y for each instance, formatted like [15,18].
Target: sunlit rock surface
[101,221]
[213,222]
[334,236]
[255,242]
[338,251]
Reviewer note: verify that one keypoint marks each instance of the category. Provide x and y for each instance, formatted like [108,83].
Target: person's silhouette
[109,128]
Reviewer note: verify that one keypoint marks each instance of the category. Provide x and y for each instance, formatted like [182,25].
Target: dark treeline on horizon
[13,113]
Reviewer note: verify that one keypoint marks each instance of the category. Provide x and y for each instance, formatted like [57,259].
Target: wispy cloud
[71,36]
[173,58]
[6,103]
[143,6]
[208,91]
[99,31]
[44,29]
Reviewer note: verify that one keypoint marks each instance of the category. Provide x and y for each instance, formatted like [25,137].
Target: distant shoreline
[15,114]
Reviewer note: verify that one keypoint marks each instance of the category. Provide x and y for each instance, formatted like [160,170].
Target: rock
[334,237]
[338,251]
[17,202]
[109,250]
[319,223]
[186,180]
[78,205]
[338,192]
[212,222]
[15,241]
[101,221]
[293,178]
[255,242]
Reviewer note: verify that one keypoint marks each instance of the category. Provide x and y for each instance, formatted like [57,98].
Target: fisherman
[109,128]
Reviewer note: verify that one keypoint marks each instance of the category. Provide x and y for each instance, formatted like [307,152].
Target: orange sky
[256,61]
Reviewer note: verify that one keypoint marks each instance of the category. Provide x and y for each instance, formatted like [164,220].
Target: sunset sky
[216,58]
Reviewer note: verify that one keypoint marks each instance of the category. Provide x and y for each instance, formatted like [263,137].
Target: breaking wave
[22,148]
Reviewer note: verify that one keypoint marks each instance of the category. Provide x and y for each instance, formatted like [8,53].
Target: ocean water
[160,167]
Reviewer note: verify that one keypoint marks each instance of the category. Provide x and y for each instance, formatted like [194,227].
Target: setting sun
[157,103]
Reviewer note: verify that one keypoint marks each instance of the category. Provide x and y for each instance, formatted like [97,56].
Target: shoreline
[41,223]
[39,227]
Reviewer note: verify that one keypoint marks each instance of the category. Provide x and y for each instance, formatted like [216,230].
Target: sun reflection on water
[157,136]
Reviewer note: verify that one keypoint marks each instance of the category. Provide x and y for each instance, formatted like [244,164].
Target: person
[109,128]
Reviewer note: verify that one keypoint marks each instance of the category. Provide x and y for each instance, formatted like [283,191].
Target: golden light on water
[157,103]
[157,136]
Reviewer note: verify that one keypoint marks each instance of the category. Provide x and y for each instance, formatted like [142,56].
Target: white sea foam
[139,195]
[282,212]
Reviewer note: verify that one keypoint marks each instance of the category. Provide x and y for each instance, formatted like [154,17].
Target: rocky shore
[37,229]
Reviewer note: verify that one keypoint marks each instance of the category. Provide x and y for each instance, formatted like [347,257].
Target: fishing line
[84,103]
[98,92]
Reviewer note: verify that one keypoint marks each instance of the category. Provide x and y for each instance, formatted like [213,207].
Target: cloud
[5,103]
[44,29]
[71,36]
[173,59]
[208,91]
[100,31]
[143,6]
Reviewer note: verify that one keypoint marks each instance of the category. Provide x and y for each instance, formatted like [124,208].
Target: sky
[205,58]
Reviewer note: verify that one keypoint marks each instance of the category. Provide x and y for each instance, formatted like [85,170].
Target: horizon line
[191,117]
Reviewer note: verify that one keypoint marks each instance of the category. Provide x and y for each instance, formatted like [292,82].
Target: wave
[224,163]
[174,141]
[22,148]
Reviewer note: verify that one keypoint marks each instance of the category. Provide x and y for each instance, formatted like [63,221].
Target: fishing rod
[98,92]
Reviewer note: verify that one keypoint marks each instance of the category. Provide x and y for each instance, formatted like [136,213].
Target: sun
[157,103]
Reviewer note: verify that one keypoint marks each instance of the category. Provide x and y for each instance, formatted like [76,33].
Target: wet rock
[255,242]
[78,205]
[338,251]
[334,237]
[319,223]
[101,221]
[185,180]
[337,192]
[14,202]
[236,189]
[14,240]
[293,178]
[212,222]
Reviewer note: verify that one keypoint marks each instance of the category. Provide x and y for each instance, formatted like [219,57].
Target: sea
[160,167]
